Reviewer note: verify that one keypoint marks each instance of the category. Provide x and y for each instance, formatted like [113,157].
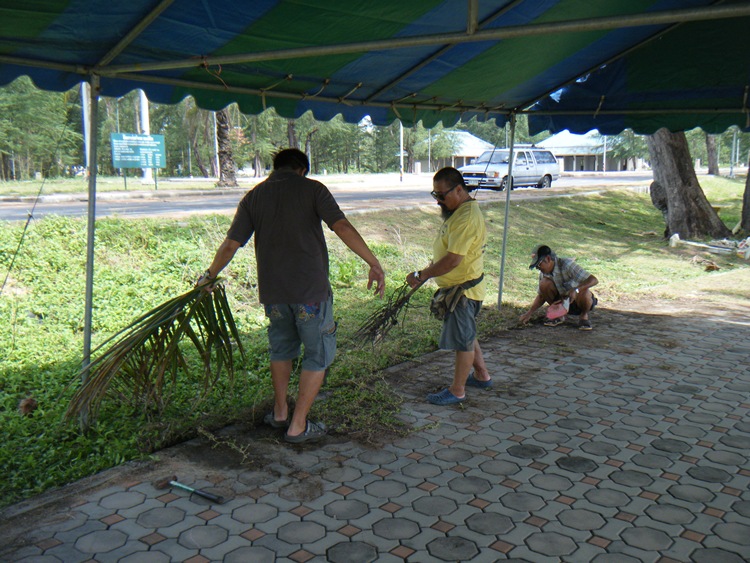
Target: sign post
[138,151]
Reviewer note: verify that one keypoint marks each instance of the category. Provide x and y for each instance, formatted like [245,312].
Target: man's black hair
[450,176]
[291,158]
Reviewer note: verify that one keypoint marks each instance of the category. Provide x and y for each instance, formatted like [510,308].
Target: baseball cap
[539,254]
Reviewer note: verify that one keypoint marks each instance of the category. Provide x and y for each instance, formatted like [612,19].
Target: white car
[532,167]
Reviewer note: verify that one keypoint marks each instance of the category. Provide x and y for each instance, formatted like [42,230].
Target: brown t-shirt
[285,213]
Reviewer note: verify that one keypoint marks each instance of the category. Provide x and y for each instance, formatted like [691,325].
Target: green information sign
[138,151]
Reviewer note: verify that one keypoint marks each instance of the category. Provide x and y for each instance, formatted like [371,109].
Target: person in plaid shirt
[564,283]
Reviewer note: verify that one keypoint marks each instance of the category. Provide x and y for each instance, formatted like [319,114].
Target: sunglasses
[440,196]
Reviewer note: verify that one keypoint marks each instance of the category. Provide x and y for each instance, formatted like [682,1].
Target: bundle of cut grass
[378,325]
[141,363]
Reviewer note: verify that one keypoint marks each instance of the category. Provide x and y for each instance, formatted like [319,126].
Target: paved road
[627,444]
[352,195]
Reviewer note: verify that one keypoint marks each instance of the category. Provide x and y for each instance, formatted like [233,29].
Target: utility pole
[148,176]
[85,100]
[429,151]
[216,148]
[401,152]
[123,171]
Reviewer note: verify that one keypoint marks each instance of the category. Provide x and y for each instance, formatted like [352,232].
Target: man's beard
[444,211]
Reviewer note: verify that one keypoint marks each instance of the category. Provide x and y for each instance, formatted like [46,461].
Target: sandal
[270,420]
[445,397]
[555,322]
[584,324]
[313,431]
[472,381]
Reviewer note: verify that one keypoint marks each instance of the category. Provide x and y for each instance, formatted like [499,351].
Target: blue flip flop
[445,397]
[474,382]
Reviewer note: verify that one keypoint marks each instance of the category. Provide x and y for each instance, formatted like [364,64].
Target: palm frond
[142,362]
[378,325]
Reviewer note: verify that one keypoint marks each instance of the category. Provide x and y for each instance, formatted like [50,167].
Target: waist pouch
[446,299]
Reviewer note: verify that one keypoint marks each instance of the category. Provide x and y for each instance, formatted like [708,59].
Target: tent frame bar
[93,105]
[434,106]
[674,111]
[424,106]
[134,33]
[666,17]
[472,27]
[508,189]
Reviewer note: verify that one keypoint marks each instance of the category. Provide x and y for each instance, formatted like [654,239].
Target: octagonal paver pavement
[626,444]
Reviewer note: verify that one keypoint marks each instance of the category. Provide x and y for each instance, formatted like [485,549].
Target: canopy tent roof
[429,60]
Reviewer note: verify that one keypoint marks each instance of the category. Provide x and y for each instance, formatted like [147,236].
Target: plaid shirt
[567,275]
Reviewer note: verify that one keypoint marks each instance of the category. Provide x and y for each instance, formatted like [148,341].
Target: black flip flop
[271,421]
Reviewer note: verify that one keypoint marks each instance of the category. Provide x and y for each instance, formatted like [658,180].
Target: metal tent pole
[508,189]
[665,17]
[93,105]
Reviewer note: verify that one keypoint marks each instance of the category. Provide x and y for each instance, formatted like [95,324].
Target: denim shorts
[460,326]
[310,325]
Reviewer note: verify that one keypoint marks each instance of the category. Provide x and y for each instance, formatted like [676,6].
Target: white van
[532,167]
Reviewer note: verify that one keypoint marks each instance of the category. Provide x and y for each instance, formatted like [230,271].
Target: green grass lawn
[141,263]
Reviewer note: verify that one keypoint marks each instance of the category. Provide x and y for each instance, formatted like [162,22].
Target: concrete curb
[139,194]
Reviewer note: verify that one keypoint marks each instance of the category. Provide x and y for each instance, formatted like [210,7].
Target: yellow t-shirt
[463,233]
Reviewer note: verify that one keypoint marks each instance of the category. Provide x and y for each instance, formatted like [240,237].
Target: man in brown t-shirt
[285,213]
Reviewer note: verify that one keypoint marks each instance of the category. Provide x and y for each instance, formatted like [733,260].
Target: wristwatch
[418,275]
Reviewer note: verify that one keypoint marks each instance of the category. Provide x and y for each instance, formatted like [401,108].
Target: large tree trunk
[745,221]
[688,212]
[227,176]
[198,159]
[659,199]
[713,155]
[4,167]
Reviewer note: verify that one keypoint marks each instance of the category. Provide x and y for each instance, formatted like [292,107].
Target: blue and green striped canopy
[577,64]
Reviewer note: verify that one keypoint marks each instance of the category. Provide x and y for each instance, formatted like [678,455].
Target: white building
[467,146]
[577,153]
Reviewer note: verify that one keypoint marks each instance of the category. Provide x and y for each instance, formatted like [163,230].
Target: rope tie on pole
[402,98]
[215,73]
[326,82]
[271,87]
[599,107]
[350,92]
[287,78]
[459,103]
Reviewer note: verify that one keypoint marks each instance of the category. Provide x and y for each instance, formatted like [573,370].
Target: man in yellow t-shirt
[458,259]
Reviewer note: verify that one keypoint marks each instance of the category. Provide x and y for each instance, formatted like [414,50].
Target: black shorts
[574,310]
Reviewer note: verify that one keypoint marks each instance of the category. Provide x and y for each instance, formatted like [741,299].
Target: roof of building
[470,145]
[567,143]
